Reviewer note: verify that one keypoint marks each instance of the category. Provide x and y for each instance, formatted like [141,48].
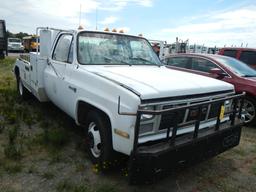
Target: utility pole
[96,19]
[80,14]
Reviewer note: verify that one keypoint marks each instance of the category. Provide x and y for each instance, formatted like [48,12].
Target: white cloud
[109,20]
[26,15]
[146,3]
[227,27]
[118,5]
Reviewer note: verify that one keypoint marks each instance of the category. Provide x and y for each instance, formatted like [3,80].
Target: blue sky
[208,22]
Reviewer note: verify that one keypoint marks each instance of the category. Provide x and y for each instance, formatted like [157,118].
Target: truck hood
[158,82]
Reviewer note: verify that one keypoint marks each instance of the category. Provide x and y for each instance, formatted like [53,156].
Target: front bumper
[153,159]
[149,163]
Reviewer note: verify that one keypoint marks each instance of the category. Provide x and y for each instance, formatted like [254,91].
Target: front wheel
[99,140]
[249,111]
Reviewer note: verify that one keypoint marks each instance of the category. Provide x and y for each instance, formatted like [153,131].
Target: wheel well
[17,71]
[250,96]
[83,109]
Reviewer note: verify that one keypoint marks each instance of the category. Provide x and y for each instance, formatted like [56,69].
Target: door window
[182,62]
[62,49]
[203,65]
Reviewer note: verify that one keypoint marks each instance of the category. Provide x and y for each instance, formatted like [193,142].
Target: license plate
[222,111]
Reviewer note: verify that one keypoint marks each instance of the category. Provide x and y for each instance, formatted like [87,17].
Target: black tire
[22,91]
[249,111]
[101,152]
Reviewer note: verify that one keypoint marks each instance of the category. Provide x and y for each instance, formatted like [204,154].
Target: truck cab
[115,86]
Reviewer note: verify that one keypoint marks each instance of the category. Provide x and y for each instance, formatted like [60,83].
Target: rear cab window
[248,57]
[202,65]
[230,53]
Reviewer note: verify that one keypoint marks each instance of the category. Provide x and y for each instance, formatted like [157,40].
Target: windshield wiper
[142,59]
[115,60]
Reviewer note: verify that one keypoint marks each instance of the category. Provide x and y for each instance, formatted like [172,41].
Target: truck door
[55,80]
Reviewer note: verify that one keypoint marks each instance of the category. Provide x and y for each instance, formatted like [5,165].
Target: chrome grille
[189,115]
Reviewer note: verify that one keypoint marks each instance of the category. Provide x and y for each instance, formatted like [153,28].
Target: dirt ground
[41,149]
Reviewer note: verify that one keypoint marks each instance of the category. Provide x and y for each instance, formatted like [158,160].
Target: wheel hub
[91,140]
[20,87]
[94,139]
[248,111]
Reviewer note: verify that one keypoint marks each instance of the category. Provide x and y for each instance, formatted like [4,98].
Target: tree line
[19,35]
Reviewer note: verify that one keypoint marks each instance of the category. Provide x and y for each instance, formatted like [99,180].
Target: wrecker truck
[115,87]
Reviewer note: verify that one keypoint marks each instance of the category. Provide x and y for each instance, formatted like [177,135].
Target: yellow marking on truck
[222,111]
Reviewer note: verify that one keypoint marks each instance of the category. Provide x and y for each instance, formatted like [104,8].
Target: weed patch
[32,169]
[12,167]
[67,186]
[253,169]
[48,175]
[13,150]
[106,188]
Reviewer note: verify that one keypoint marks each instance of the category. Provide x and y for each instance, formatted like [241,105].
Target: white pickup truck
[115,86]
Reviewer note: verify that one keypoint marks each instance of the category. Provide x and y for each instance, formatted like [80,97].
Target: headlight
[146,128]
[227,102]
[228,106]
[145,117]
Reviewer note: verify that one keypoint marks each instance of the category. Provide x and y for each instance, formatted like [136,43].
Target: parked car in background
[223,68]
[14,44]
[247,55]
[3,39]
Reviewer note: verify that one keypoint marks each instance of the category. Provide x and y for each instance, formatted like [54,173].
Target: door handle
[72,88]
[27,68]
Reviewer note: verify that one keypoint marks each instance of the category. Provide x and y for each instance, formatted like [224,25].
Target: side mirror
[218,72]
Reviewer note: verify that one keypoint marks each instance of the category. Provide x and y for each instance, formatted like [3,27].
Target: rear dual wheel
[22,91]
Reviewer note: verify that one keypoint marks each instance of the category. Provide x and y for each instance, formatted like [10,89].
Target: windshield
[237,66]
[114,49]
[14,40]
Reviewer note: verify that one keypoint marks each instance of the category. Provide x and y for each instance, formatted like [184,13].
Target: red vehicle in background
[223,68]
[247,55]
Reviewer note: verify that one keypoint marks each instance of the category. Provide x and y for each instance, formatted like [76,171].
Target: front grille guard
[236,112]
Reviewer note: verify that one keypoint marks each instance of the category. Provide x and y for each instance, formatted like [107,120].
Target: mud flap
[150,163]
